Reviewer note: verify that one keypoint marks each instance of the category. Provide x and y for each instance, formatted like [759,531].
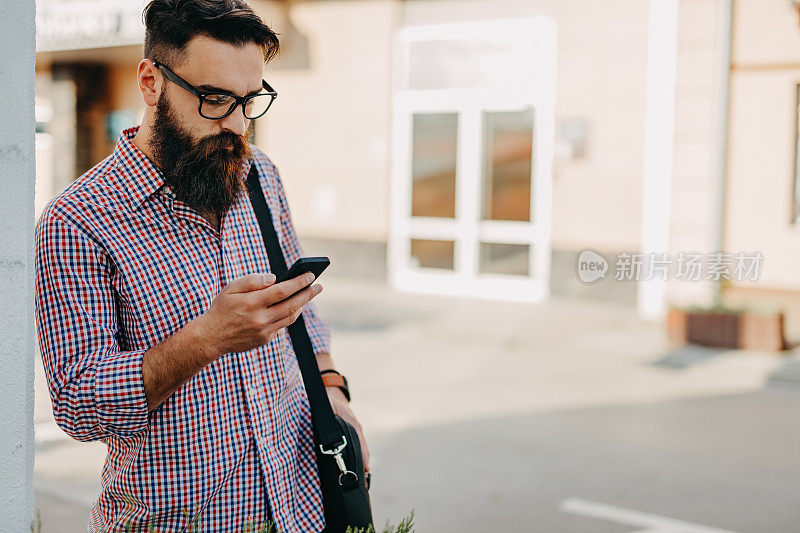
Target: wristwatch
[332,378]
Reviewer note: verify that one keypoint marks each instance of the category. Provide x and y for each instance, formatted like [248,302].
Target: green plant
[36,523]
[268,528]
[195,523]
[406,525]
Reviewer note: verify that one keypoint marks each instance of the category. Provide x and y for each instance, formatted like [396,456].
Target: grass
[406,525]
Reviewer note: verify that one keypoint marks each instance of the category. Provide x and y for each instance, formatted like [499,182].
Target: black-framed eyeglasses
[219,104]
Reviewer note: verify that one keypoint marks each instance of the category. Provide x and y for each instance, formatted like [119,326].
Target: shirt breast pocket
[159,302]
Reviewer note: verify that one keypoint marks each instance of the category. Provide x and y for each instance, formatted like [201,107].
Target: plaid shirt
[121,264]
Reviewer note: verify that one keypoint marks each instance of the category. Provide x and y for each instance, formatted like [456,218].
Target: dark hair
[171,24]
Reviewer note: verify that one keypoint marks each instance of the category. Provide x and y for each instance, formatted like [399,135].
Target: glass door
[473,132]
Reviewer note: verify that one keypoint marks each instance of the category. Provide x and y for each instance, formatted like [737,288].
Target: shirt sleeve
[318,327]
[96,389]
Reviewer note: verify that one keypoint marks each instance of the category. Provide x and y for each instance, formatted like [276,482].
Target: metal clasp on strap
[336,450]
[337,455]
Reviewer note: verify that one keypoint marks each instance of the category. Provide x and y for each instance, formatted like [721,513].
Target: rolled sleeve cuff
[119,393]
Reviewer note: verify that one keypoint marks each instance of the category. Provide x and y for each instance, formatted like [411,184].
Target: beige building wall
[597,200]
[329,131]
[765,74]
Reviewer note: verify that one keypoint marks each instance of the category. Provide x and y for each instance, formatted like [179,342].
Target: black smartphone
[306,264]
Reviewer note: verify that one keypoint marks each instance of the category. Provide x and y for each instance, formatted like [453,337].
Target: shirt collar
[139,177]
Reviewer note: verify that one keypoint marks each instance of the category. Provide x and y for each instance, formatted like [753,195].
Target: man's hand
[249,311]
[341,407]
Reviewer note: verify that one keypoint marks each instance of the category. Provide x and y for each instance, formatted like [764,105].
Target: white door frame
[466,230]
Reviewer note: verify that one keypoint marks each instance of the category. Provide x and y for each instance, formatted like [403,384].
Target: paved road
[728,461]
[569,417]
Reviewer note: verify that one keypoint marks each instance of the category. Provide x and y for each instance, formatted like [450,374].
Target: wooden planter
[748,331]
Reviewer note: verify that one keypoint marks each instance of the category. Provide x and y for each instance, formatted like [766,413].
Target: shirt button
[262,441]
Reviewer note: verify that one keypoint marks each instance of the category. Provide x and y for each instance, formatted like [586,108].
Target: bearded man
[161,328]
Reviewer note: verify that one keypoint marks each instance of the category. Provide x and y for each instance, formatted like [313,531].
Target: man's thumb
[251,282]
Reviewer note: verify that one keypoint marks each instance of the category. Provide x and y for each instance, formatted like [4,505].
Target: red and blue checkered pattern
[121,264]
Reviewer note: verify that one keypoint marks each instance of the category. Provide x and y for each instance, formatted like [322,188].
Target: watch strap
[332,378]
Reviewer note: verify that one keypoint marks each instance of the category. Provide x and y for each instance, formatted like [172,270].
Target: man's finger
[283,290]
[250,282]
[286,312]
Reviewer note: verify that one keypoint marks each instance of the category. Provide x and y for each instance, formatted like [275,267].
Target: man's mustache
[228,145]
[223,141]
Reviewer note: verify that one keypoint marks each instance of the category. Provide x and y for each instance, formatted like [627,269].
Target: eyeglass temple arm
[174,78]
[268,87]
[182,83]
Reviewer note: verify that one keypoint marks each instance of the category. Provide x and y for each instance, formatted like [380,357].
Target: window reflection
[508,147]
[432,254]
[498,258]
[434,165]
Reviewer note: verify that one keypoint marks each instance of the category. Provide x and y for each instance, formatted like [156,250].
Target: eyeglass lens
[217,105]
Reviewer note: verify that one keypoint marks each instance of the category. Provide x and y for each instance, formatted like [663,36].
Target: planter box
[748,331]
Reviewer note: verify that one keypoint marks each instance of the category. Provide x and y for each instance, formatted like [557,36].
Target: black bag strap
[328,432]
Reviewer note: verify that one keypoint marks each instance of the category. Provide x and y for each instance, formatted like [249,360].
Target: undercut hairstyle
[171,24]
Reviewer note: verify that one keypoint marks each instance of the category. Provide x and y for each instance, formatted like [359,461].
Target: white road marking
[652,523]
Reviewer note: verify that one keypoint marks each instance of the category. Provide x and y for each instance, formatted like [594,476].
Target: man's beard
[206,176]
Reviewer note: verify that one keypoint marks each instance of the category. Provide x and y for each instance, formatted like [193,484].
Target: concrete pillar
[17,329]
[658,149]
